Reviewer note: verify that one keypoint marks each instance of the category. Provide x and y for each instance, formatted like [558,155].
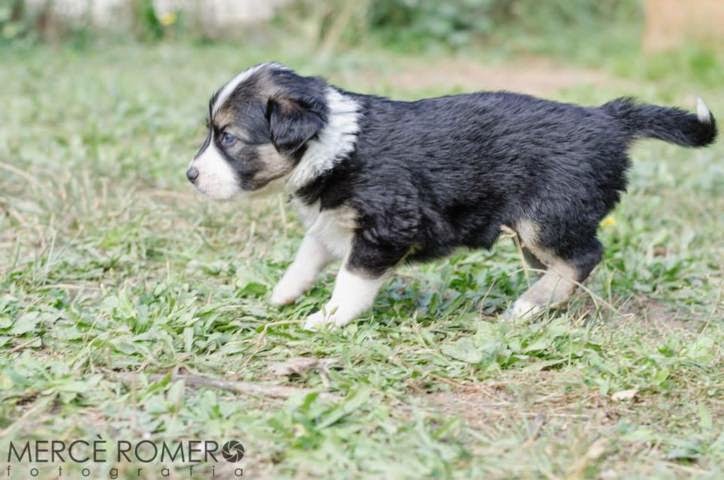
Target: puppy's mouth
[226,186]
[217,190]
[212,175]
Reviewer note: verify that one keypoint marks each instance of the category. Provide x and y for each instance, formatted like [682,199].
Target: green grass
[110,265]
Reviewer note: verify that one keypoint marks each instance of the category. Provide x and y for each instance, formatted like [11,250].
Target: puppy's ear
[293,123]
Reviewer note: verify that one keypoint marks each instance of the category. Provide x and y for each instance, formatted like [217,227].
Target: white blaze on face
[216,177]
[232,84]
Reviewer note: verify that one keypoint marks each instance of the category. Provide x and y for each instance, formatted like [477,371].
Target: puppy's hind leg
[532,261]
[310,260]
[552,289]
[564,272]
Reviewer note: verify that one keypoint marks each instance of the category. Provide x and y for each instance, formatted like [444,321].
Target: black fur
[297,112]
[431,175]
[663,123]
[292,125]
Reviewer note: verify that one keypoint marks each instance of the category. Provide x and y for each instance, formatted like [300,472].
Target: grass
[114,275]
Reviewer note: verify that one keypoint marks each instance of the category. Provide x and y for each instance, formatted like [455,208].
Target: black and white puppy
[379,181]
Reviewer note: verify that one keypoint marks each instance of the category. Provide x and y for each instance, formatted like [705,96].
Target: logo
[232,451]
[64,459]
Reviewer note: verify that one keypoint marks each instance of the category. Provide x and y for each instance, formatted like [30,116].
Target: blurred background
[577,29]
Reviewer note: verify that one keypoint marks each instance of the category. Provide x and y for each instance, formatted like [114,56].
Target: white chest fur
[334,228]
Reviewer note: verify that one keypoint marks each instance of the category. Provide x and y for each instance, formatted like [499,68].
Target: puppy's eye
[227,139]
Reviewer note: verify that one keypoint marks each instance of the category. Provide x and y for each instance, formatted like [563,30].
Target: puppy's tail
[664,123]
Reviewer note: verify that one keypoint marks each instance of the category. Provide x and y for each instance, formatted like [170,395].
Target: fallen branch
[268,390]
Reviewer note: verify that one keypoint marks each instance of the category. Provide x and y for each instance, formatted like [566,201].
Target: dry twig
[269,390]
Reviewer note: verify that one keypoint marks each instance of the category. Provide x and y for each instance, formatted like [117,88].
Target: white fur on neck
[336,140]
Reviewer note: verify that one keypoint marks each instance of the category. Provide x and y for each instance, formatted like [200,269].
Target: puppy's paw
[522,310]
[330,315]
[319,320]
[284,294]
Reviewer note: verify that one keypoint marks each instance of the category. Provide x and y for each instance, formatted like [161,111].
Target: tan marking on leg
[555,286]
[528,233]
[553,289]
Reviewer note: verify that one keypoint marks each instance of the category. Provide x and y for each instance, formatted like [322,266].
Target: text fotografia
[83,455]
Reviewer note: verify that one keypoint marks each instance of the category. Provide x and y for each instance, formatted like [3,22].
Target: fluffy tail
[669,124]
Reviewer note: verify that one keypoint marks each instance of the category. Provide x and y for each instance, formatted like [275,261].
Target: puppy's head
[259,126]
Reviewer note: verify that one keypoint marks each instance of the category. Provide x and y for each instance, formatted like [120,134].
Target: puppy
[379,181]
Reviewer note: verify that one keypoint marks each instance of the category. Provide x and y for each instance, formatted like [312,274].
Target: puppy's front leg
[358,281]
[354,292]
[311,258]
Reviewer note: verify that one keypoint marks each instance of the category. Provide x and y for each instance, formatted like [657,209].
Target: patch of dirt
[506,403]
[534,76]
[659,316]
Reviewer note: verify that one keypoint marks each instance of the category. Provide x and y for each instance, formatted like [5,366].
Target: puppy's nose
[192,174]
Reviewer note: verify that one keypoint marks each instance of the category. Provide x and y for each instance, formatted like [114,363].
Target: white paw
[522,309]
[318,320]
[284,294]
[330,315]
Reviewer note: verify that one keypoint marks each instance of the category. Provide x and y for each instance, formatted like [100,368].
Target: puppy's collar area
[334,143]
